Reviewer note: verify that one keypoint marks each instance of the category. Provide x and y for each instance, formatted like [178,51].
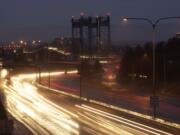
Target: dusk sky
[47,19]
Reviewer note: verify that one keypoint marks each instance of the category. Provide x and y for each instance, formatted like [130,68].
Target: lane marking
[120,119]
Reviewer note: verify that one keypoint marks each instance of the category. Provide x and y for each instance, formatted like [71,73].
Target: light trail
[39,114]
[42,116]
[125,121]
[59,51]
[45,74]
[144,116]
[102,125]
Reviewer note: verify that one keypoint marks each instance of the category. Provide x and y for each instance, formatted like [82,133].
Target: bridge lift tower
[93,34]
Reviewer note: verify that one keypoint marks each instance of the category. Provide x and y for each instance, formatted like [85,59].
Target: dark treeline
[136,63]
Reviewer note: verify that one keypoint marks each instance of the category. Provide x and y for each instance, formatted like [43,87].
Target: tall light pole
[48,60]
[154,25]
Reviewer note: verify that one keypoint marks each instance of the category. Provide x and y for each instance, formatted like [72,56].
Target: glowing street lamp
[125,19]
[33,42]
[154,25]
[21,41]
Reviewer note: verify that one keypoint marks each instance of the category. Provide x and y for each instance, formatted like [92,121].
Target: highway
[169,107]
[48,113]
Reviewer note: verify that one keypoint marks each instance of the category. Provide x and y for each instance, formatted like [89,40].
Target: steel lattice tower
[93,34]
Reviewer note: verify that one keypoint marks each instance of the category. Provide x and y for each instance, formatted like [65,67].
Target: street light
[125,19]
[154,25]
[21,41]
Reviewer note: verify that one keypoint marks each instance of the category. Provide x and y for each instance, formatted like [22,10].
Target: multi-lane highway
[50,113]
[134,100]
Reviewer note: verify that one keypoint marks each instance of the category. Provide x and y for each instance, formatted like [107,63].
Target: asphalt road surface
[46,112]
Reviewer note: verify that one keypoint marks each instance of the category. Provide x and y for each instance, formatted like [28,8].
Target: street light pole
[81,61]
[49,73]
[154,67]
[154,25]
